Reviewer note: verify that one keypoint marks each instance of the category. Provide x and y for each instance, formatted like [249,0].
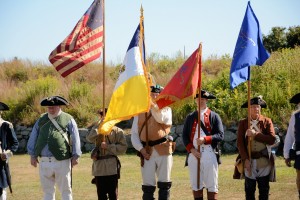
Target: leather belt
[155,142]
[259,154]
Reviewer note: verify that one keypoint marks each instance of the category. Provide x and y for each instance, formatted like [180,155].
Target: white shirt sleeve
[289,137]
[135,138]
[163,116]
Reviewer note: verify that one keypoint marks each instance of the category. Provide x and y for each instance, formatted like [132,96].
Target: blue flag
[249,49]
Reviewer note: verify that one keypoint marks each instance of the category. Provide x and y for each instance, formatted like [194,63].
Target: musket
[6,170]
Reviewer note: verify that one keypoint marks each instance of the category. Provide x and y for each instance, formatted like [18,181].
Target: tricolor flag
[83,45]
[249,49]
[131,94]
[183,84]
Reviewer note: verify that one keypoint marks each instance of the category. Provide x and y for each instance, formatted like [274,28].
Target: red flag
[83,45]
[183,84]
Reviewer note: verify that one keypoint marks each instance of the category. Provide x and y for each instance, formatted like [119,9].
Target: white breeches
[56,172]
[3,196]
[159,166]
[208,171]
[257,172]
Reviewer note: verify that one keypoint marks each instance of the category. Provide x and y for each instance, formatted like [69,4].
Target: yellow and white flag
[131,94]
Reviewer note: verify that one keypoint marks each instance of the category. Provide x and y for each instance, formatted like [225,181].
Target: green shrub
[278,80]
[79,90]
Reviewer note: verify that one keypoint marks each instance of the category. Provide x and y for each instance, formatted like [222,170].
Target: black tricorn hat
[255,101]
[295,99]
[205,95]
[54,101]
[3,106]
[156,88]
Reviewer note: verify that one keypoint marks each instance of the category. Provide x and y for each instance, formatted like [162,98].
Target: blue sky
[31,29]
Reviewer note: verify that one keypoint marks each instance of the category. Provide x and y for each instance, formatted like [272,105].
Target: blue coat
[9,141]
[217,131]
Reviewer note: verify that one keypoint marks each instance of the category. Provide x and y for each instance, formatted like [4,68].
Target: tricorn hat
[3,106]
[255,101]
[156,89]
[54,101]
[295,99]
[205,95]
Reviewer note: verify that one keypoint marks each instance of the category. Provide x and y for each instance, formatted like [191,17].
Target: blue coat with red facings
[215,136]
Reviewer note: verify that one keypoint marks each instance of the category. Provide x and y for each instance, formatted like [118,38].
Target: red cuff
[208,140]
[189,147]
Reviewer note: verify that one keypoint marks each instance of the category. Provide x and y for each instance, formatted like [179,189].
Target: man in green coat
[54,144]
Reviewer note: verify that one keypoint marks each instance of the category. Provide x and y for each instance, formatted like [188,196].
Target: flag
[183,84]
[249,49]
[131,94]
[83,45]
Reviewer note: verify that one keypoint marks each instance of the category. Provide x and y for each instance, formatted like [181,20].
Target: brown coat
[116,145]
[265,137]
[155,131]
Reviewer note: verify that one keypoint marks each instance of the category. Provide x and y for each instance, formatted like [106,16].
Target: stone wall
[227,146]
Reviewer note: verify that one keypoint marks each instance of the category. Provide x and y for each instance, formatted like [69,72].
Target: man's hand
[145,154]
[74,161]
[34,161]
[247,165]
[201,140]
[288,162]
[196,153]
[250,132]
[103,145]
[3,156]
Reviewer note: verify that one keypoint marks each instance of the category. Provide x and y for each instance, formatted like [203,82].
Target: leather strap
[64,134]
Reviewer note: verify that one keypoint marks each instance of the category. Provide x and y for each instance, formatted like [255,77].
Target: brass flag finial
[142,11]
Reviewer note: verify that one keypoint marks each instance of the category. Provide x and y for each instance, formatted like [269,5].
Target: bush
[24,84]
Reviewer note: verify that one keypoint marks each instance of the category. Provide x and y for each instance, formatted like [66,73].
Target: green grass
[26,183]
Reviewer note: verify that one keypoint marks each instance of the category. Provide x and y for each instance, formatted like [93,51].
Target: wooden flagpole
[103,57]
[103,66]
[199,110]
[249,119]
[141,44]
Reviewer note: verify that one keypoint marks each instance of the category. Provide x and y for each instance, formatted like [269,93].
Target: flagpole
[199,109]
[249,119]
[141,43]
[103,66]
[103,57]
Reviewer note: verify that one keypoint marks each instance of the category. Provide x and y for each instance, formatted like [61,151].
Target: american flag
[83,45]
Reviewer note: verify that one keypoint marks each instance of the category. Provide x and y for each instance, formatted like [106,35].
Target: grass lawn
[26,185]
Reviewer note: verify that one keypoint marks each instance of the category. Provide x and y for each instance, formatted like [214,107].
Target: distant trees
[281,38]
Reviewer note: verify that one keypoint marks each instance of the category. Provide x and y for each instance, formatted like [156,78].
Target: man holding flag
[149,136]
[250,51]
[106,164]
[259,166]
[212,132]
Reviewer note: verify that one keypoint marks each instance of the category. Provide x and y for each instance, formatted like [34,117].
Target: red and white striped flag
[83,45]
